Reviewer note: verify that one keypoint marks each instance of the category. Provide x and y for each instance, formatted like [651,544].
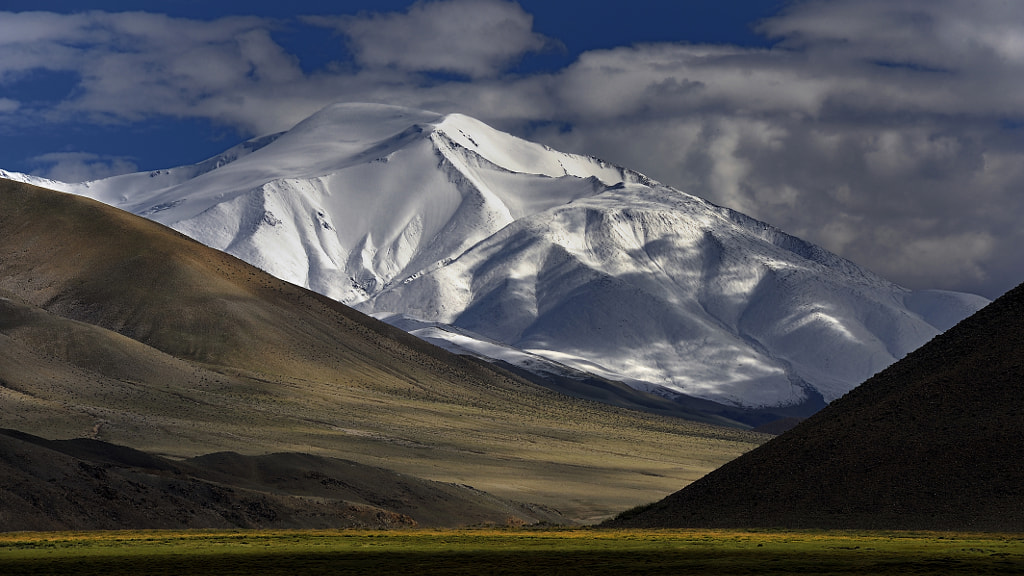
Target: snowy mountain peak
[487,243]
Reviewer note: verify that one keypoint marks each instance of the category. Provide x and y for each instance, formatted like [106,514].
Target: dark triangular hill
[935,441]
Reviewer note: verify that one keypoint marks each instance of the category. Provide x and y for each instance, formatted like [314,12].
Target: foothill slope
[119,329]
[934,442]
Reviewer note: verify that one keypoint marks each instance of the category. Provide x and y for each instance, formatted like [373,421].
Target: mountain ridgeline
[123,332]
[933,442]
[553,263]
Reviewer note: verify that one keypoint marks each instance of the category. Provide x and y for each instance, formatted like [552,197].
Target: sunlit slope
[119,328]
[542,259]
[933,442]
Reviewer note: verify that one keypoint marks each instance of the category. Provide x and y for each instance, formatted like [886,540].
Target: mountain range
[550,263]
[931,443]
[120,335]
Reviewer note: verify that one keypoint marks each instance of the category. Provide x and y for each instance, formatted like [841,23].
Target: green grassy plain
[524,551]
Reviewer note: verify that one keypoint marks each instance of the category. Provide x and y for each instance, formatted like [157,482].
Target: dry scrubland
[116,328]
[591,552]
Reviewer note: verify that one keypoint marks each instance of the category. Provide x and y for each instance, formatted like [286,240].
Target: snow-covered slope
[488,243]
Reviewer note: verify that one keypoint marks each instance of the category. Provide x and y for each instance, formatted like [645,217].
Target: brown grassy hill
[45,487]
[935,441]
[115,328]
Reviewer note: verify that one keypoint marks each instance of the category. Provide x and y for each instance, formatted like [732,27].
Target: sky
[888,131]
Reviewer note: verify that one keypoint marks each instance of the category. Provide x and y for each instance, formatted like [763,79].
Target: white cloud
[81,166]
[477,38]
[865,116]
[134,65]
[867,120]
[7,105]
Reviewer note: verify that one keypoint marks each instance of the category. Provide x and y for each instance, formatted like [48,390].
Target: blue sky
[888,131]
[159,142]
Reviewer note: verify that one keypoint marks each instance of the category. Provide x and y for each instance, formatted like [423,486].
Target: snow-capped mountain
[487,243]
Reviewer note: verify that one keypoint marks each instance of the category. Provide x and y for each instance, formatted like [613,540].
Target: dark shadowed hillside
[936,441]
[84,484]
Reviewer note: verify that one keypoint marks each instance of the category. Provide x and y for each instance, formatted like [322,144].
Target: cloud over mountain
[888,132]
[470,37]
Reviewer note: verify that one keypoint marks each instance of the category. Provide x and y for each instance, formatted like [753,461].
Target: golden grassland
[510,551]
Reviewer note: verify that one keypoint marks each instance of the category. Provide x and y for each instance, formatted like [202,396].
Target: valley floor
[509,551]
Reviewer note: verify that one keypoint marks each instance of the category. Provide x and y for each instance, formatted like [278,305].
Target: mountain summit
[487,243]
